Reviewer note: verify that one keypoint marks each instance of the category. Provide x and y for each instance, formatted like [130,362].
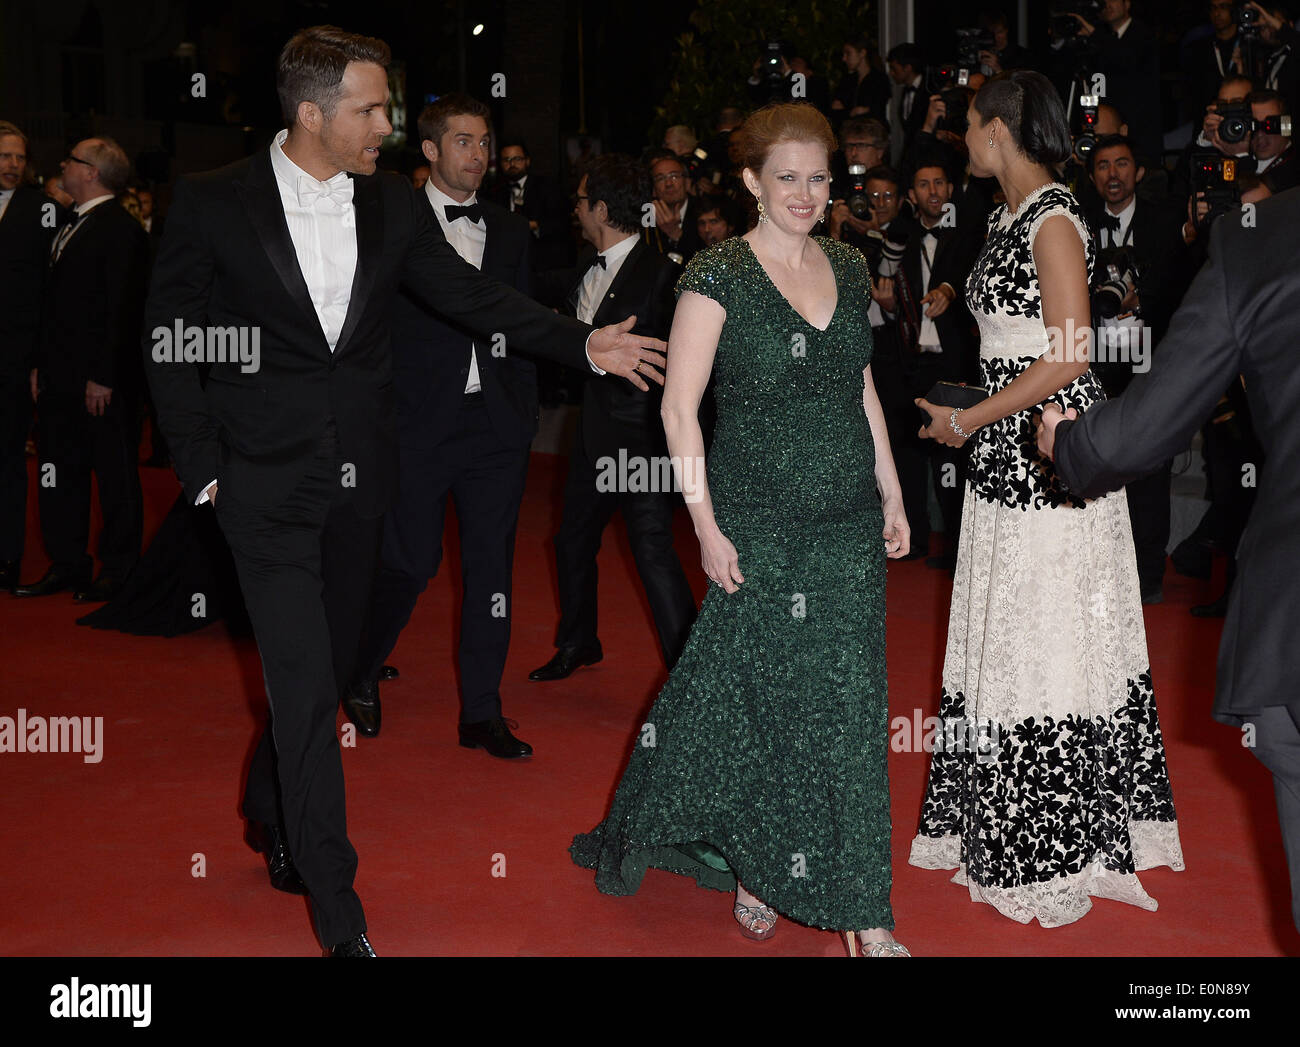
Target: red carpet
[98,858]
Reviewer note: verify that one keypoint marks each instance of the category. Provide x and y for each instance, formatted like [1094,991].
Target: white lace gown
[1049,787]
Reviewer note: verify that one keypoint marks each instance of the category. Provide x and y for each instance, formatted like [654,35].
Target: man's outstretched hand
[632,356]
[1047,423]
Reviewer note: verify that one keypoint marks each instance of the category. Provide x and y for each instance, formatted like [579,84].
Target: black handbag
[954,394]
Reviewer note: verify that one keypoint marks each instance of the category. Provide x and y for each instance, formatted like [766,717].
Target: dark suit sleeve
[120,274]
[1119,440]
[180,290]
[436,275]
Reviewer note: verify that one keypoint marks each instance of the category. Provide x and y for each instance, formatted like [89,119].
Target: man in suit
[466,417]
[27,222]
[675,231]
[1237,318]
[303,247]
[619,433]
[1130,229]
[906,65]
[89,379]
[540,200]
[938,345]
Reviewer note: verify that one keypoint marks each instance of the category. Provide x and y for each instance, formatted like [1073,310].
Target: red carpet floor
[98,859]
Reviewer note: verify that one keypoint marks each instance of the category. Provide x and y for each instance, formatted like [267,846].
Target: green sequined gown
[764,756]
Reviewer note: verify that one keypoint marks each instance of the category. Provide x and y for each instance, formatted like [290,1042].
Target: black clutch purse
[954,394]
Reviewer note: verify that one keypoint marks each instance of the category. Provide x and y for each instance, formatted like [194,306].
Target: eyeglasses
[579,196]
[78,160]
[886,195]
[510,161]
[675,176]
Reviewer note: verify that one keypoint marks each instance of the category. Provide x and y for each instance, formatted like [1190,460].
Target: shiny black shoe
[100,591]
[388,672]
[358,946]
[55,580]
[361,703]
[269,840]
[8,575]
[566,660]
[495,737]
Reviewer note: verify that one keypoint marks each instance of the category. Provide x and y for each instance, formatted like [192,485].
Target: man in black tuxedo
[906,65]
[541,201]
[89,379]
[27,222]
[937,344]
[466,417]
[1130,229]
[1237,318]
[302,247]
[619,449]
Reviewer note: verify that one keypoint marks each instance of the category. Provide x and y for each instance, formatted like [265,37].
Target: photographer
[1279,70]
[1140,276]
[1271,143]
[1005,53]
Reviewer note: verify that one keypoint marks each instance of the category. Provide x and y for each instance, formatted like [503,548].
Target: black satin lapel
[492,245]
[260,195]
[625,274]
[369,210]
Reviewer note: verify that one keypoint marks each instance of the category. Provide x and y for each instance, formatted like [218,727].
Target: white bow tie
[336,193]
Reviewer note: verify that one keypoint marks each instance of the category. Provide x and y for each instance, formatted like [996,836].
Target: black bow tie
[598,260]
[471,211]
[1110,221]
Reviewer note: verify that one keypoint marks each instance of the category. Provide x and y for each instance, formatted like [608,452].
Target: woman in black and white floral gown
[1049,787]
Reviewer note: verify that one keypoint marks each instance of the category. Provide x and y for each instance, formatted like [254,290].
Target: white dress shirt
[5,196]
[1115,238]
[323,226]
[928,338]
[597,281]
[469,239]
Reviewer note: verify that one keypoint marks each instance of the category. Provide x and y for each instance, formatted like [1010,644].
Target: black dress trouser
[15,424]
[305,567]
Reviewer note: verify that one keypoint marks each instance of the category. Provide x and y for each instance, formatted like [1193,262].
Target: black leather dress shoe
[495,737]
[8,575]
[566,660]
[358,946]
[361,703]
[54,581]
[388,672]
[269,840]
[100,591]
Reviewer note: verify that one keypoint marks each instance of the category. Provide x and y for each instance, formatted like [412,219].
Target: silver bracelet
[952,424]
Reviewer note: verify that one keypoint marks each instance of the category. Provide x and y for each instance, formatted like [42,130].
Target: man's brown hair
[312,63]
[436,115]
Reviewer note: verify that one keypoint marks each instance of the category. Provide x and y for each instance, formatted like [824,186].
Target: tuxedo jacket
[431,356]
[227,259]
[1237,318]
[954,255]
[544,203]
[1131,64]
[25,239]
[92,306]
[615,413]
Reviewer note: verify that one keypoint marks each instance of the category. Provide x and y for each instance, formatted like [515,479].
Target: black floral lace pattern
[1059,794]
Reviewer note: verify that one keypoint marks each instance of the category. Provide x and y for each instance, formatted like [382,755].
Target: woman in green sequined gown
[764,758]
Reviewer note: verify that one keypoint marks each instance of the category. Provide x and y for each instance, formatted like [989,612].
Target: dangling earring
[762,211]
[990,141]
[822,217]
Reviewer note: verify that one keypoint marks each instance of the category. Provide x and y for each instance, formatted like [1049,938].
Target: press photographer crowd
[103,272]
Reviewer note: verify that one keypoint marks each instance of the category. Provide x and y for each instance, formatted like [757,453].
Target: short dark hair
[728,210]
[933,156]
[1265,97]
[869,127]
[312,63]
[882,173]
[623,184]
[513,143]
[906,54]
[1109,142]
[1027,103]
[436,115]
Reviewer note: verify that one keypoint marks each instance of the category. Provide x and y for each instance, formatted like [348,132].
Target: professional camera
[1215,177]
[940,78]
[970,42]
[1087,140]
[1064,27]
[769,71]
[857,199]
[1238,123]
[1117,275]
[1248,26]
